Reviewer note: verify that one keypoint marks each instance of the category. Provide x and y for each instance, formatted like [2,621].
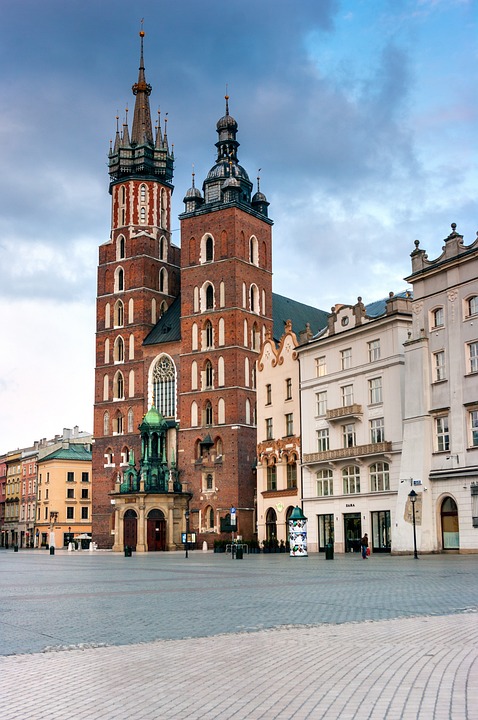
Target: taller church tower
[138,279]
[226,309]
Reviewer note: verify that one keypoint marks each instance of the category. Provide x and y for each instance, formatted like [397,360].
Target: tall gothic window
[164,386]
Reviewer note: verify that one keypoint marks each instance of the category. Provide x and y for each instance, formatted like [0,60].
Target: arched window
[107,351]
[472,305]
[106,382]
[208,373]
[164,386]
[118,424]
[119,350]
[194,414]
[209,249]
[208,415]
[194,336]
[254,299]
[118,387]
[222,294]
[131,347]
[271,525]
[119,279]
[162,308]
[254,251]
[248,411]
[142,193]
[379,477]
[120,248]
[130,420]
[119,314]
[142,216]
[163,248]
[209,335]
[194,375]
[196,299]
[218,447]
[437,317]
[255,339]
[131,384]
[221,411]
[221,331]
[211,519]
[209,482]
[220,372]
[246,372]
[209,297]
[163,281]
[131,311]
[106,423]
[107,315]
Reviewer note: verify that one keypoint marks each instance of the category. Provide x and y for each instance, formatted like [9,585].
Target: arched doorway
[271,524]
[156,530]
[130,529]
[449,525]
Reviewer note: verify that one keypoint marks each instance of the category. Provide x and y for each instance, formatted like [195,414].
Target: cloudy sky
[361,114]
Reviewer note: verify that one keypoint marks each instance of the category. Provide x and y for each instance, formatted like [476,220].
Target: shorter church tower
[226,310]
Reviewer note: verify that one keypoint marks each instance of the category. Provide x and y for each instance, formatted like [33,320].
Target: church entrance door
[130,529]
[156,531]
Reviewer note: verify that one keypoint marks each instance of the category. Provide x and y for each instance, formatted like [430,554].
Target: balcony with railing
[349,452]
[344,412]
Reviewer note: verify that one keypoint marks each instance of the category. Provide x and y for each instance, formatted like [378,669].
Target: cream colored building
[351,418]
[440,438]
[278,435]
[63,509]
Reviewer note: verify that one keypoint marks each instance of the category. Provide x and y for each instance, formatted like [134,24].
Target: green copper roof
[72,452]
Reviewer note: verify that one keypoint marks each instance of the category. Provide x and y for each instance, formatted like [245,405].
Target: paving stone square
[98,635]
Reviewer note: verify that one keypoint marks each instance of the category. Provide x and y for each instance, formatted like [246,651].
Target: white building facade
[351,385]
[440,434]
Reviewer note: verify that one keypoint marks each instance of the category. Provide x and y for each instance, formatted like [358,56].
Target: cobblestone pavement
[100,636]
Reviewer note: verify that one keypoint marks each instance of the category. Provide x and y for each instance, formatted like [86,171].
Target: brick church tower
[138,279]
[226,309]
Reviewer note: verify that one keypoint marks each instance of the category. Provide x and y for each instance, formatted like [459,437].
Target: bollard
[52,550]
[239,553]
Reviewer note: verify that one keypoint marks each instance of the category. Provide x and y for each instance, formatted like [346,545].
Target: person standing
[364,546]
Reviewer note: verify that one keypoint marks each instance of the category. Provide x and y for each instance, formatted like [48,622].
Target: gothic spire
[142,130]
[140,153]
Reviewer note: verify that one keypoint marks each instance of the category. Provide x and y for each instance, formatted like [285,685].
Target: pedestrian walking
[364,546]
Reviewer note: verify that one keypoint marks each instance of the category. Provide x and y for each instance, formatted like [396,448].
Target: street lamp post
[187,532]
[413,498]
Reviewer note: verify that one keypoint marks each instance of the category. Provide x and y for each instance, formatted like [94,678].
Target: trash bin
[239,553]
[15,548]
[52,550]
[127,551]
[329,551]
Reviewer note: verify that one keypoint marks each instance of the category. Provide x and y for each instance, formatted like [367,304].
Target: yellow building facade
[63,511]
